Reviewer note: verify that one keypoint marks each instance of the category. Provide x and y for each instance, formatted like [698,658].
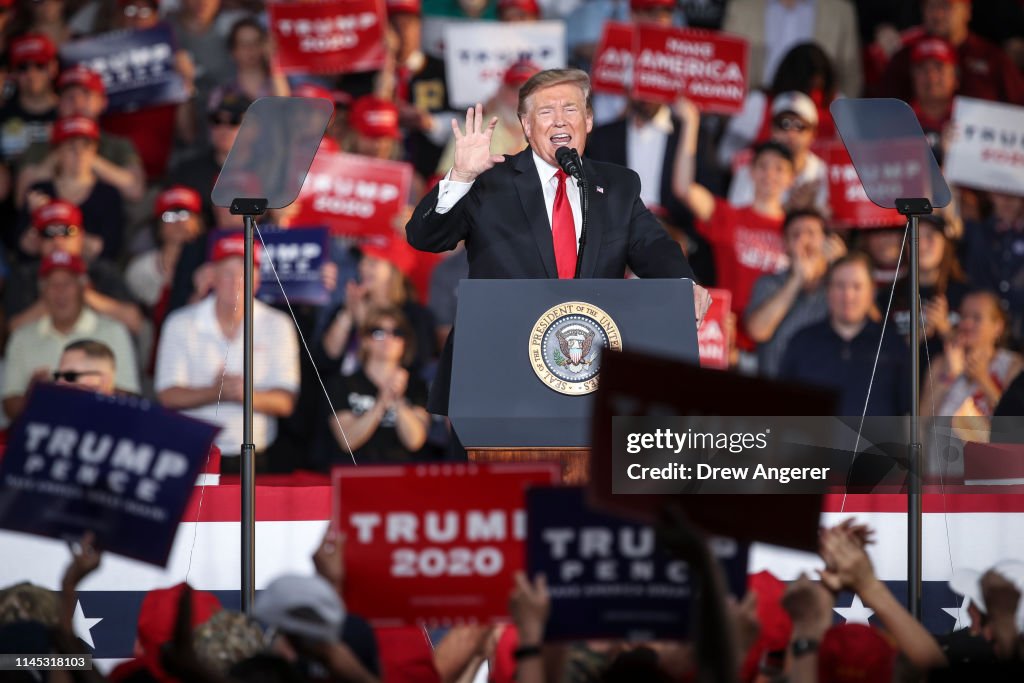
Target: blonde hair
[552,77]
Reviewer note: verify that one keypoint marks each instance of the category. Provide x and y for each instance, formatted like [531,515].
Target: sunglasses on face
[138,12]
[25,67]
[72,376]
[791,124]
[225,119]
[52,231]
[179,216]
[381,333]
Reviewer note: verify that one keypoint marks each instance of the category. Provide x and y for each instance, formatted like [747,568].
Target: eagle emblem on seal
[575,341]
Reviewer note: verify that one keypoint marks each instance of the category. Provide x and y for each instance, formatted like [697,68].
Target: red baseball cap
[396,252]
[61,260]
[528,6]
[232,244]
[374,117]
[177,197]
[34,48]
[56,212]
[404,6]
[82,77]
[934,49]
[519,72]
[313,90]
[776,626]
[652,4]
[157,615]
[855,653]
[74,127]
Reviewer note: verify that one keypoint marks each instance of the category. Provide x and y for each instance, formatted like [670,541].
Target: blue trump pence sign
[120,466]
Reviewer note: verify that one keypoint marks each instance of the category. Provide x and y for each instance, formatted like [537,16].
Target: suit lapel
[596,220]
[531,196]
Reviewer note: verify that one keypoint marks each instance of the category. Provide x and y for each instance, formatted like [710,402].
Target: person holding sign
[520,215]
[747,242]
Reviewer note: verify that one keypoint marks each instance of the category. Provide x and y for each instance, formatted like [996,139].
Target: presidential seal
[566,345]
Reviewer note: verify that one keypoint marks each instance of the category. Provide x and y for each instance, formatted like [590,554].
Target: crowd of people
[300,629]
[113,281]
[110,223]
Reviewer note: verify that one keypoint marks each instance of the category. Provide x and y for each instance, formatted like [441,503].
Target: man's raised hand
[473,148]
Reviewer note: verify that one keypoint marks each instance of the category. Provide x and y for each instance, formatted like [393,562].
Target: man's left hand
[701,303]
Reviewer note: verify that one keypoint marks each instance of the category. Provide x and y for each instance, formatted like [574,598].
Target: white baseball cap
[795,102]
[967,582]
[304,606]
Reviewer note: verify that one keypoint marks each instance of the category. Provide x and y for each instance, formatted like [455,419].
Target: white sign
[987,149]
[477,53]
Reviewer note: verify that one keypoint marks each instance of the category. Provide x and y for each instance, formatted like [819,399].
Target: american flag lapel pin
[599,189]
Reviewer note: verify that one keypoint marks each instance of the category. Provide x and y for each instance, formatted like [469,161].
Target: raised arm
[684,185]
[437,223]
[849,568]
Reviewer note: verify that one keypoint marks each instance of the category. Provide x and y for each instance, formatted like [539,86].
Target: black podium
[526,358]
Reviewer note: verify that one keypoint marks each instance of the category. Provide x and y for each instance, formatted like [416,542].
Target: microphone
[569,159]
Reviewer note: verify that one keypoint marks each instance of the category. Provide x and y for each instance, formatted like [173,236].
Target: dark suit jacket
[508,234]
[608,143]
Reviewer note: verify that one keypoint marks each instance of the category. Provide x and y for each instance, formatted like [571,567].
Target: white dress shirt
[645,152]
[451,191]
[784,28]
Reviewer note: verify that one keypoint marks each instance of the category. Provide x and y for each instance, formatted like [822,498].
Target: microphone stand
[585,211]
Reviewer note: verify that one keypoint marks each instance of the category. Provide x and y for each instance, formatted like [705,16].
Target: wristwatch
[803,646]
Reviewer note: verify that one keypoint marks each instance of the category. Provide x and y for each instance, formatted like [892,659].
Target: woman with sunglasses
[381,283]
[379,412]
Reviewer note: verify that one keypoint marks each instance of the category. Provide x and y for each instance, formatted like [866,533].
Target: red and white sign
[352,194]
[713,335]
[330,37]
[709,68]
[986,150]
[435,543]
[612,68]
[851,207]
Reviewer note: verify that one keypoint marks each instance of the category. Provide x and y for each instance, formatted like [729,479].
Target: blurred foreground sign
[435,544]
[120,466]
[608,576]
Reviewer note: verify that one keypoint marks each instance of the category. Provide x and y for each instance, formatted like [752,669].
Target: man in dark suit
[520,215]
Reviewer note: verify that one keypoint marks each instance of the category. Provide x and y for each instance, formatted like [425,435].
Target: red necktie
[563,230]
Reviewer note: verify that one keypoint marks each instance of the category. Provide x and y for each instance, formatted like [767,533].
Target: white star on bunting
[83,625]
[856,613]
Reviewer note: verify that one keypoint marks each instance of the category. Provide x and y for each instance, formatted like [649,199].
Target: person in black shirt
[381,406]
[840,352]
